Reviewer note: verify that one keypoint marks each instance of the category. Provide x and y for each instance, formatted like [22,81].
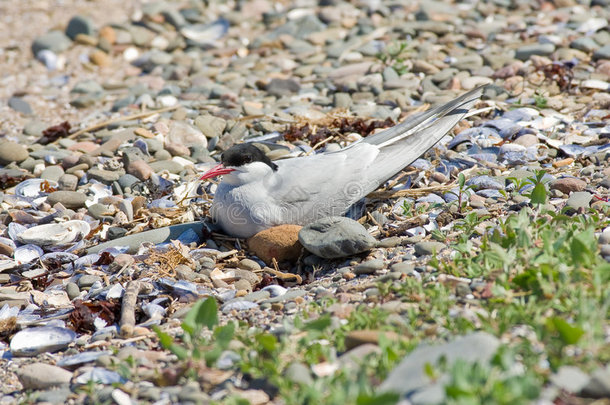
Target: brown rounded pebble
[359,337]
[100,58]
[176,149]
[138,202]
[140,169]
[85,39]
[280,242]
[144,133]
[563,162]
[108,34]
[568,184]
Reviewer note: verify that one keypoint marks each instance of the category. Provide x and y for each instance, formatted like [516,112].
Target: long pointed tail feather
[417,123]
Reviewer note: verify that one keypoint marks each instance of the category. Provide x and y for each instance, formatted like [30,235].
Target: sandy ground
[21,74]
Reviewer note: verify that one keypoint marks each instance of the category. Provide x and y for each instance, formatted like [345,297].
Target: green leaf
[267,341]
[165,339]
[568,334]
[461,180]
[203,313]
[224,334]
[212,355]
[430,371]
[538,195]
[319,324]
[181,352]
[388,398]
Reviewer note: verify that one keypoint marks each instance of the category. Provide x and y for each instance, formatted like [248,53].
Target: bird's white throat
[247,173]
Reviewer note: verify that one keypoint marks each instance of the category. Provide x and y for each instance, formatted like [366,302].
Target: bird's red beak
[217,170]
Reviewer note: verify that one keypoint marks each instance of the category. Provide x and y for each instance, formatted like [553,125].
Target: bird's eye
[247,159]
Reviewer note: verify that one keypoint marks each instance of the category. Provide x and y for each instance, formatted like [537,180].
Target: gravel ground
[492,247]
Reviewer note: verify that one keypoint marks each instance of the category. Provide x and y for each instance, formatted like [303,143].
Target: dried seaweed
[338,126]
[165,263]
[55,132]
[85,313]
[13,178]
[559,72]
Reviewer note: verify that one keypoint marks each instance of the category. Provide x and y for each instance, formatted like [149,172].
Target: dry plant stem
[128,316]
[119,119]
[283,276]
[415,192]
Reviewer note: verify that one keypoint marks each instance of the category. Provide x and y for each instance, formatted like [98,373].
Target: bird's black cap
[244,153]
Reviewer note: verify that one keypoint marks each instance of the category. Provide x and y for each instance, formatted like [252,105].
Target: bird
[256,193]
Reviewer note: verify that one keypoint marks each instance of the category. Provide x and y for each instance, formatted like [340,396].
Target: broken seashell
[50,235]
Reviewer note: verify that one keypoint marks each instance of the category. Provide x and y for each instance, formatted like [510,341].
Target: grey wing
[316,186]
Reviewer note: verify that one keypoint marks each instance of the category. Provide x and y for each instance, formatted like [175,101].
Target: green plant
[463,191]
[395,56]
[194,346]
[540,101]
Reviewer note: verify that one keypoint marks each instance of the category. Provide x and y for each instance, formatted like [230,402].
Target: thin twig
[413,192]
[103,124]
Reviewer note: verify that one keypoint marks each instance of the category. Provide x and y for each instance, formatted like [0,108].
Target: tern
[256,193]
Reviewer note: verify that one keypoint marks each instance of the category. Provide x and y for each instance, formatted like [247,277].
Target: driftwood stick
[128,309]
[103,124]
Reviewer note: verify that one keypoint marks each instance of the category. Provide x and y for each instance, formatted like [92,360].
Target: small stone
[298,373]
[428,248]
[360,337]
[108,34]
[100,58]
[342,100]
[210,126]
[525,52]
[369,267]
[604,238]
[69,199]
[599,384]
[409,376]
[79,25]
[104,176]
[140,169]
[569,378]
[335,237]
[182,133]
[55,41]
[67,182]
[20,105]
[282,87]
[115,232]
[280,242]
[184,272]
[568,184]
[39,376]
[72,290]
[249,264]
[243,285]
[579,199]
[87,280]
[403,267]
[602,53]
[12,152]
[585,44]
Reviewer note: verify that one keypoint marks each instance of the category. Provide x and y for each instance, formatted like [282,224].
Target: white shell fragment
[34,188]
[27,253]
[50,235]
